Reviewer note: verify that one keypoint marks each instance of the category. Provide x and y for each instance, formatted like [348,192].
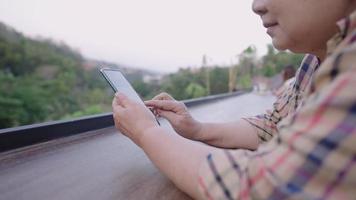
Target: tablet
[119,83]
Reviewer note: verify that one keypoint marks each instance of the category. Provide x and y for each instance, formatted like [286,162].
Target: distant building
[264,84]
[151,78]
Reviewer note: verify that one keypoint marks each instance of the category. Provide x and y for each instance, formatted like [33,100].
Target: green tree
[274,61]
[219,78]
[195,90]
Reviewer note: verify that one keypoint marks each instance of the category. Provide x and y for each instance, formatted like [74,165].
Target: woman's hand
[177,114]
[132,118]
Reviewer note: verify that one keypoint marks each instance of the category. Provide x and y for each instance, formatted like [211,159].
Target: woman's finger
[114,102]
[122,99]
[164,105]
[117,108]
[163,96]
[170,116]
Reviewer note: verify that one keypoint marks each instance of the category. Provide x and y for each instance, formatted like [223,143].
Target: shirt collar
[345,26]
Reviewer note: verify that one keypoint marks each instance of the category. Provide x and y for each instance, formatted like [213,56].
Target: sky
[160,35]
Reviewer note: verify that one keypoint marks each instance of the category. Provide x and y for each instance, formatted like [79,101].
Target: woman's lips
[270,24]
[270,27]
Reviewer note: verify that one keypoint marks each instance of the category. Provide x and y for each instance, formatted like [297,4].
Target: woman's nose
[259,7]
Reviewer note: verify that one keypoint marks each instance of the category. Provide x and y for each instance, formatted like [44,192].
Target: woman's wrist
[148,133]
[198,131]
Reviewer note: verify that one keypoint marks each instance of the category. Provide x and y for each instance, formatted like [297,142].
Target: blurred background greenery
[42,80]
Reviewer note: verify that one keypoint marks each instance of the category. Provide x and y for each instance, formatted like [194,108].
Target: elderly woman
[304,148]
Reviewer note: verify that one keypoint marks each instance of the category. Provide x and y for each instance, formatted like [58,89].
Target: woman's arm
[178,158]
[237,134]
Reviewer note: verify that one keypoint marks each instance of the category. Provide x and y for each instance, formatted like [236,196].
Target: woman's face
[302,26]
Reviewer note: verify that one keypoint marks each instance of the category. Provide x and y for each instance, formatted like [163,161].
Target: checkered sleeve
[266,124]
[286,103]
[313,157]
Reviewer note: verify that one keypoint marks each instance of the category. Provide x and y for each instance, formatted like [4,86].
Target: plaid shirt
[308,140]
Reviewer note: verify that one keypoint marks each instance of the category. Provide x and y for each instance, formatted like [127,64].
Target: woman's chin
[279,45]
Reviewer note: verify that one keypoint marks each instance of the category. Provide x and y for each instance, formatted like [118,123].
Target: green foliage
[22,100]
[194,90]
[219,80]
[176,84]
[10,111]
[274,61]
[146,90]
[91,110]
[191,83]
[269,70]
[42,80]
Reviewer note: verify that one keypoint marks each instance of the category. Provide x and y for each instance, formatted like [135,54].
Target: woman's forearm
[238,134]
[178,158]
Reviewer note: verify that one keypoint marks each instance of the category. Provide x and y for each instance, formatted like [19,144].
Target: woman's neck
[322,52]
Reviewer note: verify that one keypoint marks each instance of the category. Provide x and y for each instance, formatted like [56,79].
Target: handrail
[12,138]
